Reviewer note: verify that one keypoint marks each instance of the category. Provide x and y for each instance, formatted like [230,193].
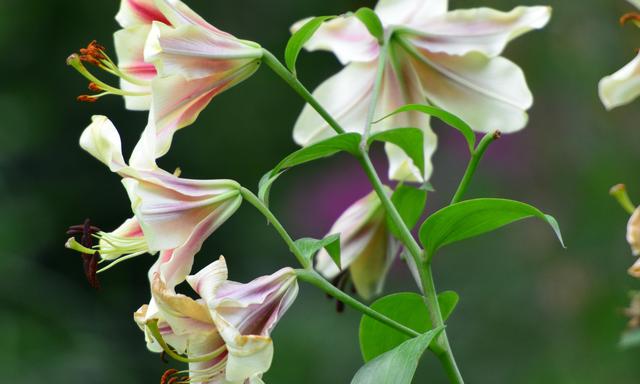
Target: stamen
[89,256]
[168,373]
[152,325]
[631,16]
[95,55]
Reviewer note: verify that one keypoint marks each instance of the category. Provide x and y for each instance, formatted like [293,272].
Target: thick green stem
[277,67]
[473,164]
[314,278]
[260,206]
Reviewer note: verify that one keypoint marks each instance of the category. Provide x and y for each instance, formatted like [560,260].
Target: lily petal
[345,96]
[345,36]
[621,87]
[137,12]
[129,44]
[102,141]
[483,30]
[488,93]
[397,12]
[636,3]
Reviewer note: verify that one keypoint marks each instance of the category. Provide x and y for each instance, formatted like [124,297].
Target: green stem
[442,347]
[272,62]
[312,277]
[473,164]
[260,206]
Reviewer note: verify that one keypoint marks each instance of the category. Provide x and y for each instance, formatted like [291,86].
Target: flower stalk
[473,164]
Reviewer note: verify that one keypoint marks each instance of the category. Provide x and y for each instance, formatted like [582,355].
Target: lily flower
[633,238]
[623,86]
[450,59]
[367,248]
[225,332]
[170,212]
[170,60]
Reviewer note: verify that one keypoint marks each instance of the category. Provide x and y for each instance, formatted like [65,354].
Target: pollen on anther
[87,99]
[94,87]
[167,375]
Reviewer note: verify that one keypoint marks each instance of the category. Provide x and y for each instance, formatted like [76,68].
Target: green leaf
[407,308]
[447,117]
[411,140]
[310,247]
[409,202]
[398,365]
[264,186]
[344,142]
[370,20]
[630,339]
[474,217]
[299,38]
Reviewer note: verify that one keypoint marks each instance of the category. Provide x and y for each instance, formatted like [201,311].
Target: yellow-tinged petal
[621,87]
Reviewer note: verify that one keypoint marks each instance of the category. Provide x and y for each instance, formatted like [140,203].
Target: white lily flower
[170,61]
[171,212]
[623,86]
[224,333]
[367,247]
[448,59]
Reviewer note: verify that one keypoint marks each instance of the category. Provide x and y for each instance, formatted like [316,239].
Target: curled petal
[478,30]
[345,36]
[622,87]
[137,12]
[249,355]
[102,141]
[633,232]
[488,93]
[397,12]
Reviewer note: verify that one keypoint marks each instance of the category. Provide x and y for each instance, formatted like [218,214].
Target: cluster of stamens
[95,54]
[90,259]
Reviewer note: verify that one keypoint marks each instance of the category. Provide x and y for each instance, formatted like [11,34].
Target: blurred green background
[530,312]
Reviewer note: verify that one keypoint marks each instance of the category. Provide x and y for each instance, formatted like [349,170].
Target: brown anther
[89,261]
[93,53]
[497,135]
[167,374]
[631,16]
[87,99]
[94,87]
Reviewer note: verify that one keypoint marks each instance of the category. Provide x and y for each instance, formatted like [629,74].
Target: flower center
[89,257]
[95,55]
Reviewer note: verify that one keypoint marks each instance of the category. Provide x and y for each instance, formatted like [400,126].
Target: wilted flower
[623,86]
[169,211]
[448,59]
[224,333]
[367,247]
[170,59]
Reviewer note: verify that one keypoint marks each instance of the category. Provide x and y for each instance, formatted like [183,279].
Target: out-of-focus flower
[170,60]
[367,247]
[623,86]
[633,238]
[169,211]
[224,333]
[448,59]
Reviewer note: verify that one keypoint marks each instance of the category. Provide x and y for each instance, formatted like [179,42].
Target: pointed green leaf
[370,20]
[309,247]
[409,202]
[347,142]
[264,186]
[411,140]
[398,365]
[447,117]
[299,38]
[471,218]
[407,308]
